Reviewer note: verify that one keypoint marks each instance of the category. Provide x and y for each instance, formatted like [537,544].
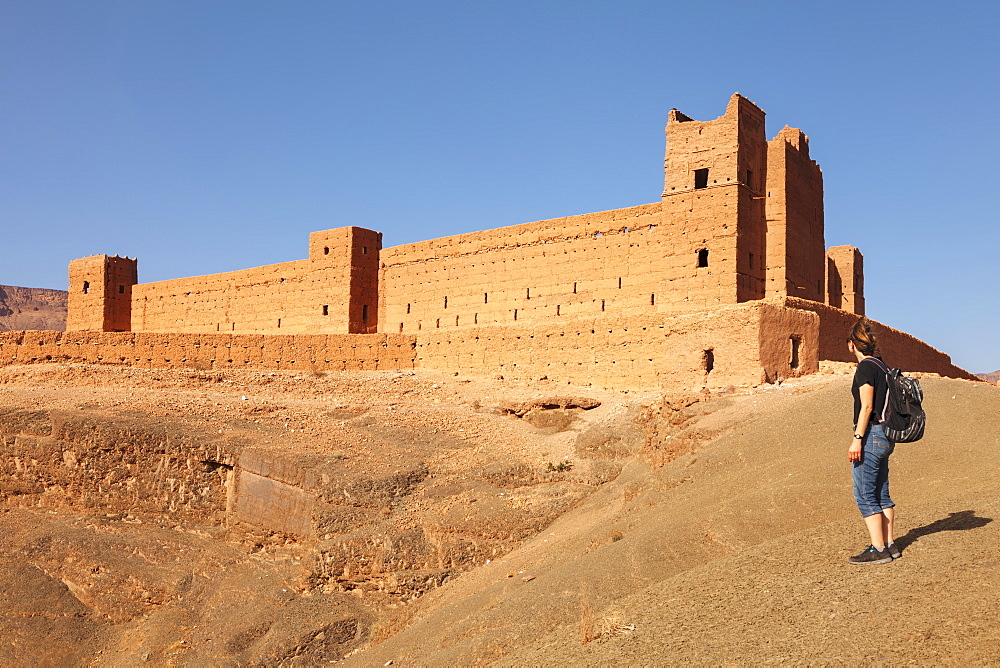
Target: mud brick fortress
[726,280]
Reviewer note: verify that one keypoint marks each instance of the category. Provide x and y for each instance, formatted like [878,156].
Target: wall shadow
[957,521]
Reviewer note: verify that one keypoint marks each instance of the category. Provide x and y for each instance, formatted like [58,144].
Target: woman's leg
[888,517]
[875,529]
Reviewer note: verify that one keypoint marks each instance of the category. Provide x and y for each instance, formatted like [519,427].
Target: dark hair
[863,336]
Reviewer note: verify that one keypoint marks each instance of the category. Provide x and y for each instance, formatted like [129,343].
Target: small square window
[700,178]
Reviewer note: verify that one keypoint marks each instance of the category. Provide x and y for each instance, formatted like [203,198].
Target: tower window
[364,250]
[326,309]
[121,289]
[749,179]
[326,250]
[752,258]
[364,313]
[793,360]
[86,287]
[700,178]
[703,257]
[407,309]
[446,302]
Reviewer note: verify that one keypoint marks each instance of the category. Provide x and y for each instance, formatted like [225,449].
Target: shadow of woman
[958,521]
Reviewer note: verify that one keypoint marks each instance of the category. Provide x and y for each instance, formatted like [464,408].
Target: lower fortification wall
[897,348]
[318,352]
[745,344]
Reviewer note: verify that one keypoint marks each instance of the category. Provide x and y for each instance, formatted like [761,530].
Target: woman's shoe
[872,556]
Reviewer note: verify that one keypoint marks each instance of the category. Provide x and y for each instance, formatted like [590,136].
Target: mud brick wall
[738,345]
[319,352]
[623,353]
[607,262]
[84,459]
[897,348]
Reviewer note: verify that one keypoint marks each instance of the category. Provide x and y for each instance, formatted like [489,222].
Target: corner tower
[713,204]
[100,293]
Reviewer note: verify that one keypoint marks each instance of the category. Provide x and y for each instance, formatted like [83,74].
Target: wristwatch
[858,437]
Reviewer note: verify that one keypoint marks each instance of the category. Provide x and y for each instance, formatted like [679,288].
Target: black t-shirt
[869,373]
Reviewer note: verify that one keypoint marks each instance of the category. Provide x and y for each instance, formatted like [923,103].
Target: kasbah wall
[724,281]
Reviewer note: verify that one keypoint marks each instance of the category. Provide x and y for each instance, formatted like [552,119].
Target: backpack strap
[885,368]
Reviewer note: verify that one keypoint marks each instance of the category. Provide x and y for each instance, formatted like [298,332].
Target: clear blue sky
[215,135]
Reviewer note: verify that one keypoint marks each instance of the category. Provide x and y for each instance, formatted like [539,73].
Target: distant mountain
[32,308]
[990,377]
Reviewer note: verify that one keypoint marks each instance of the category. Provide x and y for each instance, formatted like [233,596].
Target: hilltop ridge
[32,309]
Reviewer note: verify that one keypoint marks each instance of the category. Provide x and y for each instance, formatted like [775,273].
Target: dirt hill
[32,308]
[643,531]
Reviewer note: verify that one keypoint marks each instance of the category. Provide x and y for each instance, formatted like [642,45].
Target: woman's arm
[867,393]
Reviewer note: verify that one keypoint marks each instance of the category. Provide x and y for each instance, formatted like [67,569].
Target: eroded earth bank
[239,518]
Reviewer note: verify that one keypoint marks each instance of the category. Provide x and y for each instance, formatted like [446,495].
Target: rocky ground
[571,526]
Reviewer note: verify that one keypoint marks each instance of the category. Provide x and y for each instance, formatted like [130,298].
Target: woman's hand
[854,452]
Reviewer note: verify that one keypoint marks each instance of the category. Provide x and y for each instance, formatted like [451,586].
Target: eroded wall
[897,348]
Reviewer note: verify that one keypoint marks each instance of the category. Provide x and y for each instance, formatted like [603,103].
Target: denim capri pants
[871,473]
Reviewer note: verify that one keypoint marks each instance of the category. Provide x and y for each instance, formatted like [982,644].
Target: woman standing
[870,449]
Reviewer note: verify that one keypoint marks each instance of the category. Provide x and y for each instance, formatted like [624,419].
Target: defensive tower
[100,293]
[796,247]
[713,201]
[346,263]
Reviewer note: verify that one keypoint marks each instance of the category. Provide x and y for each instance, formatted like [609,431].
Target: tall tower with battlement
[100,293]
[846,279]
[713,203]
[796,247]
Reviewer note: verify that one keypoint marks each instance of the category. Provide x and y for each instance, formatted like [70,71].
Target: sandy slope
[737,553]
[734,552]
